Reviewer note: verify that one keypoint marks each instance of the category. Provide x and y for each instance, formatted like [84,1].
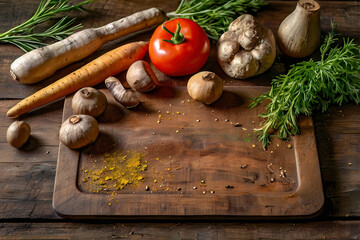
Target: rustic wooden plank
[338,141]
[172,230]
[192,147]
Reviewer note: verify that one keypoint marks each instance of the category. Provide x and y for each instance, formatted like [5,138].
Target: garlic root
[127,98]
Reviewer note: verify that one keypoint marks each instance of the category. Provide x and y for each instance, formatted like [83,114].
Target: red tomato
[180,59]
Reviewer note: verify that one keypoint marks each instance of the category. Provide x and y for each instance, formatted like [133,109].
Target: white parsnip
[41,63]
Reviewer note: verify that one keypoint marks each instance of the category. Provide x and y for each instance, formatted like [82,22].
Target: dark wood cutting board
[202,162]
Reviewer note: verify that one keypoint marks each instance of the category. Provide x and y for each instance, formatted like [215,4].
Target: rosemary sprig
[214,16]
[23,35]
[311,85]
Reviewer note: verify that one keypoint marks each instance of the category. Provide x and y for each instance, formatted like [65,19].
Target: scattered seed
[158,121]
[272,179]
[231,123]
[110,203]
[253,145]
[159,111]
[194,187]
[216,119]
[202,181]
[253,121]
[228,186]
[349,163]
[277,145]
[167,112]
[244,129]
[212,111]
[179,188]
[244,166]
[198,120]
[47,152]
[204,192]
[237,125]
[289,146]
[155,181]
[147,188]
[212,192]
[153,133]
[226,120]
[177,131]
[271,152]
[169,156]
[178,168]
[182,101]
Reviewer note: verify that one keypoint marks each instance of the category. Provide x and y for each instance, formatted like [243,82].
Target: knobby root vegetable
[127,98]
[141,77]
[41,63]
[18,133]
[109,64]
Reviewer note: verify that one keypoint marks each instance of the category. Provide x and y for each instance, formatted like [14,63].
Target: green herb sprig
[311,85]
[215,16]
[23,36]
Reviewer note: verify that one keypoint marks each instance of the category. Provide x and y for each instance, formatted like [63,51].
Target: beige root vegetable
[93,73]
[141,77]
[18,133]
[41,63]
[79,131]
[205,87]
[246,49]
[127,98]
[89,101]
[299,33]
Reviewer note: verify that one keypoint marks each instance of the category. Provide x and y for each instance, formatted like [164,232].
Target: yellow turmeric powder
[115,171]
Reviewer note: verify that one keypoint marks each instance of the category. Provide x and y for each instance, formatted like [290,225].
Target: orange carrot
[91,74]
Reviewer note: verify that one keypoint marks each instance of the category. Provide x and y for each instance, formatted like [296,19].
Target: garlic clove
[79,131]
[205,87]
[89,101]
[18,133]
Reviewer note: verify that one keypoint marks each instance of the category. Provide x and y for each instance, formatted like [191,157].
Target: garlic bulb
[141,77]
[18,133]
[89,101]
[79,131]
[299,33]
[205,87]
[247,49]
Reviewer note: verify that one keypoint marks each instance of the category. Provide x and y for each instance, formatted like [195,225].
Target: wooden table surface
[27,175]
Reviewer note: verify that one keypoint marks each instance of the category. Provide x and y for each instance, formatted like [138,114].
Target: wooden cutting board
[199,161]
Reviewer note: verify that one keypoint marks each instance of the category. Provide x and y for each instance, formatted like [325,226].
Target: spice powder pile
[115,171]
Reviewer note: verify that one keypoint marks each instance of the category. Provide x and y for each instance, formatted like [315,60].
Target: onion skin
[299,33]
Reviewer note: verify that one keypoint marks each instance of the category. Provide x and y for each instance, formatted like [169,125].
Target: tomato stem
[177,37]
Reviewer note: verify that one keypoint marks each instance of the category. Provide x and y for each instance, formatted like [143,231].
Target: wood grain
[186,147]
[27,177]
[173,230]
